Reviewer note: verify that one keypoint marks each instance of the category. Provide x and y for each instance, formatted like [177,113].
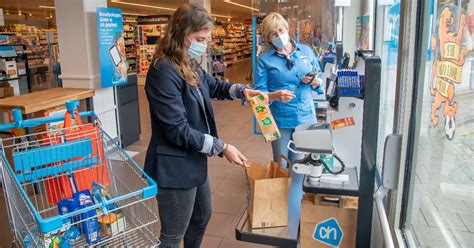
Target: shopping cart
[75,186]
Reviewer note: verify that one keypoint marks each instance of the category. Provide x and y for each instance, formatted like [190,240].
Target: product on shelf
[150,30]
[37,49]
[130,33]
[237,43]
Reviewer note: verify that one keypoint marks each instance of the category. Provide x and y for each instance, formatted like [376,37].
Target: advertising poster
[362,32]
[450,52]
[391,37]
[113,64]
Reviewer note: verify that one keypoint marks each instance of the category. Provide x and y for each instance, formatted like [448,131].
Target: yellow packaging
[265,119]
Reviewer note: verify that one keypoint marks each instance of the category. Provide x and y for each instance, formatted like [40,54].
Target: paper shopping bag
[269,189]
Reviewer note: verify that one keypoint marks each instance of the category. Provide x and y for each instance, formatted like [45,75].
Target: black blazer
[178,125]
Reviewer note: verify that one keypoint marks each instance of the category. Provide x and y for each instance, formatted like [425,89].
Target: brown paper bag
[269,188]
[317,209]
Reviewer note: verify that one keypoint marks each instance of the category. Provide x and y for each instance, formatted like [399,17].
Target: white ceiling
[218,7]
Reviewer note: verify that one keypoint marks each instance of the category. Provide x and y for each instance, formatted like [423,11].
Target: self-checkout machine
[350,136]
[352,140]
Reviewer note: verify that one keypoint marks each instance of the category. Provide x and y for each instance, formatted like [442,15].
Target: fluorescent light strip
[46,7]
[223,16]
[143,5]
[157,7]
[240,5]
[134,14]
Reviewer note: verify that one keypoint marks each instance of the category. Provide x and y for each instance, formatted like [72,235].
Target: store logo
[328,232]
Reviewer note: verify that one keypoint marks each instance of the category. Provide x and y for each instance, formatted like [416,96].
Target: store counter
[38,103]
[42,100]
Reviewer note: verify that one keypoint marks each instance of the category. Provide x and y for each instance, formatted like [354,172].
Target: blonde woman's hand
[282,95]
[234,156]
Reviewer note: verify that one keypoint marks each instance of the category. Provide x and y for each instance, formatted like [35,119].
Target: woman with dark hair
[184,131]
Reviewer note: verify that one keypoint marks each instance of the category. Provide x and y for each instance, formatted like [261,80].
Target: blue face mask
[281,41]
[196,49]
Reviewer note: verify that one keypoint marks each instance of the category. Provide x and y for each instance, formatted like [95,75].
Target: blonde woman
[282,73]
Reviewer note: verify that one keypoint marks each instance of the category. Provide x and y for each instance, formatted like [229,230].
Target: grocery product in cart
[105,198]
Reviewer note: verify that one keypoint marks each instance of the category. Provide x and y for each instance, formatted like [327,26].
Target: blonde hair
[188,18]
[271,22]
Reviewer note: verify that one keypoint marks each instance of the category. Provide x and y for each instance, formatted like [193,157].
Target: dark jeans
[184,213]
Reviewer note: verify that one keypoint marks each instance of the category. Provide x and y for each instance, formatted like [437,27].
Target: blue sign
[328,232]
[391,39]
[112,60]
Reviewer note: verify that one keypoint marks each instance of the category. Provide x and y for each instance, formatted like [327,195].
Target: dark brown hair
[187,19]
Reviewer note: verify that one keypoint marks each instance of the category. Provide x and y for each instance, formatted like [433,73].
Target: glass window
[311,22]
[389,55]
[441,206]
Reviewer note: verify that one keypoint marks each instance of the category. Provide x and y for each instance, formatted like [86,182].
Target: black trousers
[184,213]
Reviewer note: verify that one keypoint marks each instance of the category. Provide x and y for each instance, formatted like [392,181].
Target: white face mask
[196,49]
[281,41]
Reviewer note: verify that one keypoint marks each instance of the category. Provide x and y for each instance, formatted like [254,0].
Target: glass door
[438,200]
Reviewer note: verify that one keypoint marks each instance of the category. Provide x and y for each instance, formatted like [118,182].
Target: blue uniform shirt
[273,74]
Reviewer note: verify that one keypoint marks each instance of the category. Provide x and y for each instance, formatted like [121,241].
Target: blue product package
[90,227]
[68,205]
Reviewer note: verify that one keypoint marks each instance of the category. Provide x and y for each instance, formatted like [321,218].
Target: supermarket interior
[237,123]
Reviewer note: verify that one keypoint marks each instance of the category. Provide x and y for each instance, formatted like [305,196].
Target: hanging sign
[112,60]
[154,19]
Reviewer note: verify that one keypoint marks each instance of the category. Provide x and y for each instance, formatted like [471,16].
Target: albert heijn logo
[328,232]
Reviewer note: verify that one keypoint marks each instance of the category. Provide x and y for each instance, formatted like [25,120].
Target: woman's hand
[282,95]
[249,93]
[307,80]
[234,156]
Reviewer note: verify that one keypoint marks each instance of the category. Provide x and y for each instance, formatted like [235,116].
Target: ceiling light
[19,12]
[223,16]
[240,5]
[46,7]
[143,5]
[30,14]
